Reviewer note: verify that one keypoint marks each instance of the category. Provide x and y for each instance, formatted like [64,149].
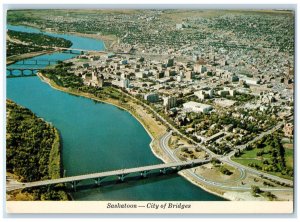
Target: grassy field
[289,153]
[245,162]
[54,158]
[253,154]
[250,157]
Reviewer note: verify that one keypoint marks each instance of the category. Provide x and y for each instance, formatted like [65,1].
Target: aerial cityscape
[150,104]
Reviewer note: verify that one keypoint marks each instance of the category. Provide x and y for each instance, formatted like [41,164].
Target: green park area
[270,154]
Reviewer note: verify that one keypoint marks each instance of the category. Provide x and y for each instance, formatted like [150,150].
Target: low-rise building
[204,94]
[251,81]
[196,107]
[226,91]
[123,83]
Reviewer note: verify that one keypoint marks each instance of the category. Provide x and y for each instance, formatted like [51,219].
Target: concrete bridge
[116,174]
[22,72]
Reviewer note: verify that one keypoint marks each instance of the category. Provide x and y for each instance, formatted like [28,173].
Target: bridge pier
[163,171]
[98,181]
[145,173]
[178,168]
[74,184]
[122,177]
[49,188]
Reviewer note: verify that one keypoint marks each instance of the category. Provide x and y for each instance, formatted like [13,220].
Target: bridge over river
[22,72]
[116,174]
[22,69]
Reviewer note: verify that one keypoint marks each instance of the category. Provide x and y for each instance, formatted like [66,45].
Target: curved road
[164,145]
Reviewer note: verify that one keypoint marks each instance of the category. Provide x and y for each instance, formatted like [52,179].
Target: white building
[179,26]
[170,102]
[251,81]
[179,78]
[196,107]
[140,75]
[226,91]
[204,94]
[123,83]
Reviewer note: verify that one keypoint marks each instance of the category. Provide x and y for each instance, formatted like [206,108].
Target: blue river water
[98,137]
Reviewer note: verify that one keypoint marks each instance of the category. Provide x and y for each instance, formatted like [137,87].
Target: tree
[255,190]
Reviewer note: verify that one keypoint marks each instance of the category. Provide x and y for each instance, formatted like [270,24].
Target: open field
[246,162]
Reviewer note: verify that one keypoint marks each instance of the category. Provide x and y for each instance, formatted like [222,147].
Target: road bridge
[76,50]
[118,174]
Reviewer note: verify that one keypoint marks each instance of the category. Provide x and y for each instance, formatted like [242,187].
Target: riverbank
[24,162]
[108,40]
[153,127]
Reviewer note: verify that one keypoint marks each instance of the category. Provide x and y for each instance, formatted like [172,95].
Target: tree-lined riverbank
[33,152]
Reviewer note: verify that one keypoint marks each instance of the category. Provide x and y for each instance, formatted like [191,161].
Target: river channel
[97,137]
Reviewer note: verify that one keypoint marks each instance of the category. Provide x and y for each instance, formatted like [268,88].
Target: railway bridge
[23,72]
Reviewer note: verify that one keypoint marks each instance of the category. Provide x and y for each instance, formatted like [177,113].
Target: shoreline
[54,164]
[107,40]
[151,145]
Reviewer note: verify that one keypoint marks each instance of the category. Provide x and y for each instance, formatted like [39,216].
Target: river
[98,137]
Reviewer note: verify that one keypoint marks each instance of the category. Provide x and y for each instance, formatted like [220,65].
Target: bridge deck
[82,50]
[110,173]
